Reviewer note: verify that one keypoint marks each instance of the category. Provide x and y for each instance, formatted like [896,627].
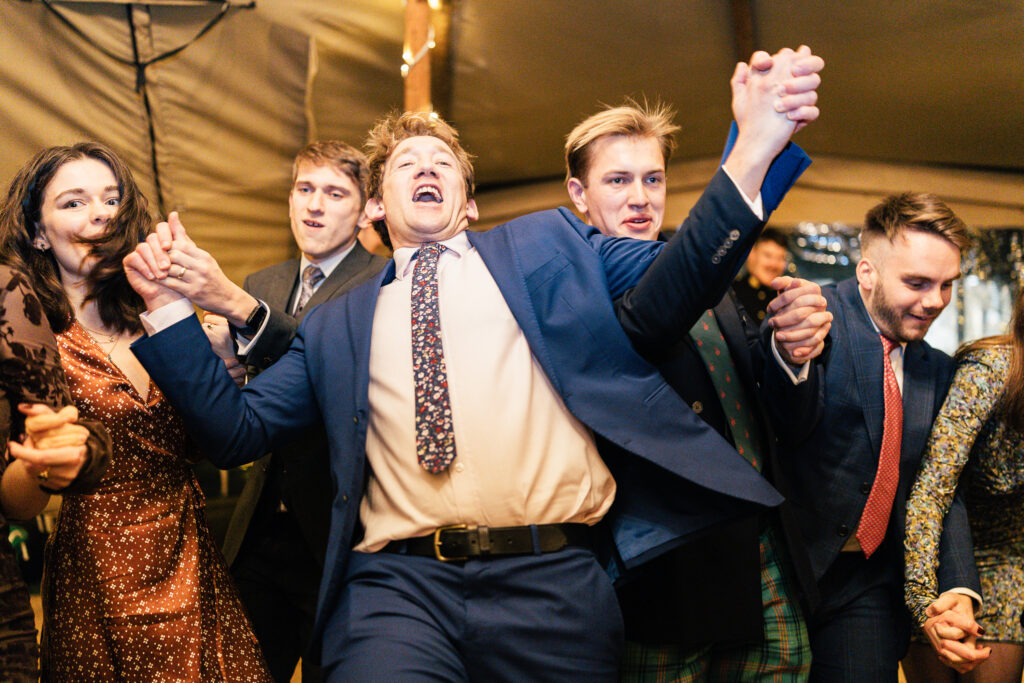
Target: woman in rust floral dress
[134,588]
[30,373]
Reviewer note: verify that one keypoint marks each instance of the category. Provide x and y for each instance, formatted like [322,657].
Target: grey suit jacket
[306,470]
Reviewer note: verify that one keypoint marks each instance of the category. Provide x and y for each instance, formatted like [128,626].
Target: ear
[472,213]
[374,210]
[867,274]
[578,195]
[41,242]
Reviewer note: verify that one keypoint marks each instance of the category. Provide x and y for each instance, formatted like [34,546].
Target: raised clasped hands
[799,319]
[169,266]
[54,449]
[953,632]
[773,96]
[170,260]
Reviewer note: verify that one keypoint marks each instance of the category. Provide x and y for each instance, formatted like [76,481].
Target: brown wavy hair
[117,303]
[389,132]
[1011,403]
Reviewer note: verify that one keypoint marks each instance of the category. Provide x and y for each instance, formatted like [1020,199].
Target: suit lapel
[350,267]
[282,281]
[918,400]
[866,351]
[361,303]
[495,248]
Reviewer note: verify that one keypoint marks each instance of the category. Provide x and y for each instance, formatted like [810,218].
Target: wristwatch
[254,321]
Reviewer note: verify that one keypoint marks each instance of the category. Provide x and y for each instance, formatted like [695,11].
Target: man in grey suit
[278,534]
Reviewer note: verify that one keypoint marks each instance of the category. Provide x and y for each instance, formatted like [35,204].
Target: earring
[40,243]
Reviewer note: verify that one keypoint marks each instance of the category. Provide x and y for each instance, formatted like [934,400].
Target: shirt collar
[458,246]
[328,264]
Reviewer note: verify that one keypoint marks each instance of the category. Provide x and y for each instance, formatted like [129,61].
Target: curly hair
[106,284]
[391,130]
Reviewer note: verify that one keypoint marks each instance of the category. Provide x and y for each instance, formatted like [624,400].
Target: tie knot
[312,275]
[430,251]
[888,344]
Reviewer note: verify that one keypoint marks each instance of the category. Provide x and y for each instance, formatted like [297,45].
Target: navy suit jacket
[559,277]
[831,472]
[654,595]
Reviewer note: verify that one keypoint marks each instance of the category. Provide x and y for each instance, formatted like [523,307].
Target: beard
[890,319]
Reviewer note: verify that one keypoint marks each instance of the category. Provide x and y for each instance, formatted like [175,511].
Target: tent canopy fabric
[920,94]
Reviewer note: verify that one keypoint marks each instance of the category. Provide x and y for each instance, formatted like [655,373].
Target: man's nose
[638,194]
[316,202]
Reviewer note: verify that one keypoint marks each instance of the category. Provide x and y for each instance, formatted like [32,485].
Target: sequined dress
[135,588]
[972,447]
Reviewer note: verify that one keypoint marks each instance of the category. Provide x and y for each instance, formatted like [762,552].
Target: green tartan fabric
[784,654]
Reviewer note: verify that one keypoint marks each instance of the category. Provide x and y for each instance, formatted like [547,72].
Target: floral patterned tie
[875,518]
[435,437]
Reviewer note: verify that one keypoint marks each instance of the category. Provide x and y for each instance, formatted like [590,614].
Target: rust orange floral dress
[135,588]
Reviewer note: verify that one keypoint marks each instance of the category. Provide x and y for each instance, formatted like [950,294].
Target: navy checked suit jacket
[831,472]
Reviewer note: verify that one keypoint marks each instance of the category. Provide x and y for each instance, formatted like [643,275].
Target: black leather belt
[459,542]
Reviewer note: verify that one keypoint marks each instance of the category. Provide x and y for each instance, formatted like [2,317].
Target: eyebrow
[79,190]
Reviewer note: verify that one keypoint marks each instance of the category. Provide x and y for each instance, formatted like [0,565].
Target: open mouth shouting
[427,193]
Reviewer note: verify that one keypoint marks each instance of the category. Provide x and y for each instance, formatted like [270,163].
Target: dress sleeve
[32,373]
[968,406]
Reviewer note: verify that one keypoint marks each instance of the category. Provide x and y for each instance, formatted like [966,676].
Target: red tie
[875,518]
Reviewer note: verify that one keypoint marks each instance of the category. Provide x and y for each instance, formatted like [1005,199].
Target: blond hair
[635,119]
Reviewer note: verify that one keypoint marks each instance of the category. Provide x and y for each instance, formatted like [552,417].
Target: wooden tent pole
[417,34]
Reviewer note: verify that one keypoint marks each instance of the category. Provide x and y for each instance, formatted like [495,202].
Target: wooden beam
[441,75]
[417,33]
[744,35]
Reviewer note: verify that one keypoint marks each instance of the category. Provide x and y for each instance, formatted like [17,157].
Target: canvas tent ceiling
[918,94]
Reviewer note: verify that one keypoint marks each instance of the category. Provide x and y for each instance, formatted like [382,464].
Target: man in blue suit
[467,480]
[851,476]
[616,167]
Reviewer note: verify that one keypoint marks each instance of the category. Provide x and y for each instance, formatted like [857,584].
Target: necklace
[103,338]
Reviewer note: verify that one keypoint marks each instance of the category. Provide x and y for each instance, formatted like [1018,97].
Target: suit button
[698,407]
[865,488]
[734,235]
[355,418]
[843,531]
[716,259]
[344,498]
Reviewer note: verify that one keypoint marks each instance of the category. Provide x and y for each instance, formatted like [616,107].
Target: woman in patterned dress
[977,442]
[30,372]
[135,588]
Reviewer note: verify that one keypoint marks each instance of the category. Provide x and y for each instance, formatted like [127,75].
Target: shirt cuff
[756,205]
[165,316]
[805,368]
[969,593]
[244,345]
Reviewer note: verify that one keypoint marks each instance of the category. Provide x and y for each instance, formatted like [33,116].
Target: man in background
[277,537]
[767,261]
